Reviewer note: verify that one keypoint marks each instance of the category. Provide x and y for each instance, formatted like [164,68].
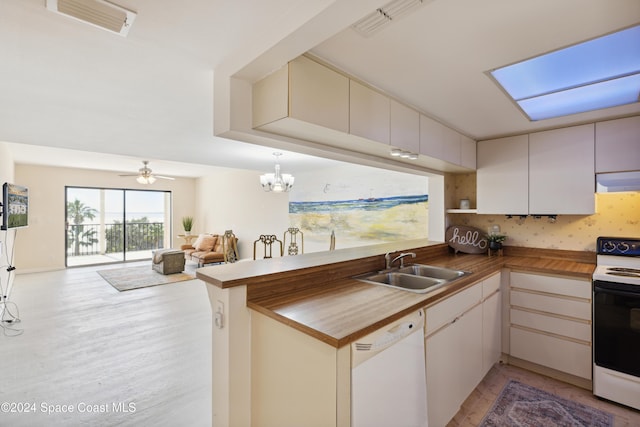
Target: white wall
[6,238]
[41,246]
[233,199]
[6,164]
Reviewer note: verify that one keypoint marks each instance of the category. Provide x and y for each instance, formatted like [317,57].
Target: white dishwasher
[388,379]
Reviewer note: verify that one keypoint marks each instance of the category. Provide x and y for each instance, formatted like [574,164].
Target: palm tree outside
[77,212]
[112,225]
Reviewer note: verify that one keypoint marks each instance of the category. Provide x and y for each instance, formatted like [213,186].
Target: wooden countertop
[338,310]
[244,272]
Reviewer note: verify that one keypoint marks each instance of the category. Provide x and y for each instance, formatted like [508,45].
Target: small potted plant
[495,241]
[187,224]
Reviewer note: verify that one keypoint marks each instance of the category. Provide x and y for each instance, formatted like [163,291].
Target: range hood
[618,181]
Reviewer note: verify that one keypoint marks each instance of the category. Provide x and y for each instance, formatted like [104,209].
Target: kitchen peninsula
[298,315]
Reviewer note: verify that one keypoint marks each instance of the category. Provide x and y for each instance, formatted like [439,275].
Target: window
[114,225]
[596,74]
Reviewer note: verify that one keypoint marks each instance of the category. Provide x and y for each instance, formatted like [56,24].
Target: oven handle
[616,292]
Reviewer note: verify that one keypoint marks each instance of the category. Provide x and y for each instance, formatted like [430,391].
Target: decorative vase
[494,246]
[187,233]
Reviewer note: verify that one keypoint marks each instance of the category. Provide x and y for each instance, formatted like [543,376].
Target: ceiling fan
[145,175]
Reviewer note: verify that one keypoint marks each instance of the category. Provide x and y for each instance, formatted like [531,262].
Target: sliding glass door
[146,219]
[115,225]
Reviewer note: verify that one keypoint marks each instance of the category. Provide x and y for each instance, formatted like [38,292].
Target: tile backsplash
[617,214]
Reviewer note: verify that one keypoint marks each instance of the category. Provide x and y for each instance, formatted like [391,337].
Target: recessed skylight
[596,74]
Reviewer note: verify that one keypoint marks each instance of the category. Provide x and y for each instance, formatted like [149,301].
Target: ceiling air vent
[384,15]
[99,13]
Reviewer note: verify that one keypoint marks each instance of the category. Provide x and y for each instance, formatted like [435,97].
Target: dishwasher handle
[382,340]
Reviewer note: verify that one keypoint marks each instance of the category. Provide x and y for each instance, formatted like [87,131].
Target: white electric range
[616,320]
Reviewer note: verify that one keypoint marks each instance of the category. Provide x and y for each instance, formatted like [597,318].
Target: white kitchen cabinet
[369,113]
[431,137]
[491,322]
[404,127]
[618,145]
[454,365]
[448,310]
[463,341]
[443,143]
[310,101]
[561,171]
[467,152]
[554,352]
[543,173]
[451,146]
[503,176]
[550,322]
[297,379]
[302,92]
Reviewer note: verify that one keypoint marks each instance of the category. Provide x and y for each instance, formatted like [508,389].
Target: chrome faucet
[389,262]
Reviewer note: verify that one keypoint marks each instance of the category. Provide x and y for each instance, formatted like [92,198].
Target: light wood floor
[90,347]
[481,400]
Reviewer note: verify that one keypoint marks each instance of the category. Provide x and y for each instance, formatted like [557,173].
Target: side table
[188,237]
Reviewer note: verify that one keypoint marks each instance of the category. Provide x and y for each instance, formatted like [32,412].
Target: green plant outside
[77,212]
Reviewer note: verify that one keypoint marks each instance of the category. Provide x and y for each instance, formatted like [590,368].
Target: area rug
[125,279]
[525,406]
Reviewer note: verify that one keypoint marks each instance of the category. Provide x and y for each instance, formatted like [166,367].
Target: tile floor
[482,398]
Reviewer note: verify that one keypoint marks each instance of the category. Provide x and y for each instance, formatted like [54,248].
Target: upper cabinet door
[303,90]
[439,141]
[404,127]
[503,176]
[318,95]
[467,152]
[562,171]
[431,137]
[369,113]
[312,102]
[618,145]
[451,146]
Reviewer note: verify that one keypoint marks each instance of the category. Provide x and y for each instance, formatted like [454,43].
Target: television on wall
[15,206]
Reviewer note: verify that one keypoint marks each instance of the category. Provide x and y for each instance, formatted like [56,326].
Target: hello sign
[466,239]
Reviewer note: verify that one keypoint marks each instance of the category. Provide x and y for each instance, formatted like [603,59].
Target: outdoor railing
[94,239]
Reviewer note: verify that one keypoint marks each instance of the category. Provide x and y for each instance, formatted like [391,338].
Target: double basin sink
[416,278]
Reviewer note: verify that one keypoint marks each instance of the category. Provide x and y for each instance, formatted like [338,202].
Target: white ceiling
[149,96]
[437,58]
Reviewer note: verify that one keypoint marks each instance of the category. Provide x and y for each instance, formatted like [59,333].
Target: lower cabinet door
[546,350]
[491,331]
[454,365]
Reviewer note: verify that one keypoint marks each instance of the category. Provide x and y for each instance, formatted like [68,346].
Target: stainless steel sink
[414,278]
[432,271]
[409,282]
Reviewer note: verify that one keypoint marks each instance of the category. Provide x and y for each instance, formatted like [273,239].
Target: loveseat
[209,248]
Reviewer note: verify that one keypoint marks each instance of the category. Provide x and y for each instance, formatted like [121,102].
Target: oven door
[616,326]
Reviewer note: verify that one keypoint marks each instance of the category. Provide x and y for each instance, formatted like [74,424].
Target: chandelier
[276,182]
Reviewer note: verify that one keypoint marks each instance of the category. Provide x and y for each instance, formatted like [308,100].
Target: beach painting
[362,221]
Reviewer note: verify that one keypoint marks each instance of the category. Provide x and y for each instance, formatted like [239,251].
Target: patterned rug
[125,279]
[525,406]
